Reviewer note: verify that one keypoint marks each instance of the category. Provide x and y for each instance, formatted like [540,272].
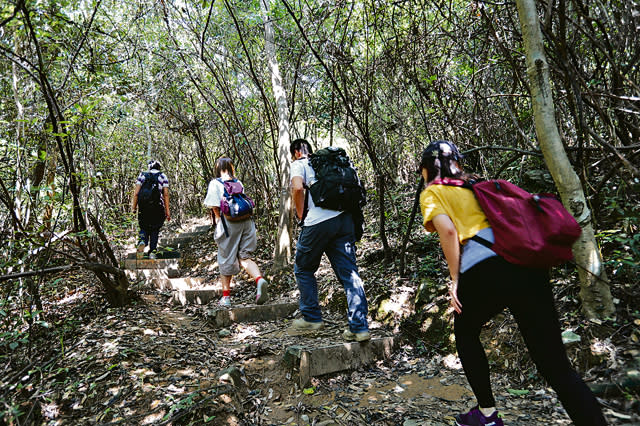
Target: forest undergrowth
[78,361]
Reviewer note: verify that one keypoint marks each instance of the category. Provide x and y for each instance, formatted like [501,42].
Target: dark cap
[154,164]
[441,149]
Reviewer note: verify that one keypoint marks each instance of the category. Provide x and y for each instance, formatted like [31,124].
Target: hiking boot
[140,250]
[301,324]
[476,418]
[152,255]
[262,291]
[362,336]
[225,301]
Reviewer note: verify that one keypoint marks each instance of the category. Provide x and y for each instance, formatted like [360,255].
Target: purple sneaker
[476,418]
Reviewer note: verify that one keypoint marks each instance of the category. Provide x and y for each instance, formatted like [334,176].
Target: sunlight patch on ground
[70,298]
[244,332]
[175,390]
[51,410]
[153,418]
[451,361]
[142,372]
[605,347]
[187,372]
[110,348]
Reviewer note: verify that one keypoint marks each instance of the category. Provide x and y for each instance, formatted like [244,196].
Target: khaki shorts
[240,244]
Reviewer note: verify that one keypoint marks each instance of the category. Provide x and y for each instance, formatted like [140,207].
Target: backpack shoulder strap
[224,187]
[483,241]
[453,182]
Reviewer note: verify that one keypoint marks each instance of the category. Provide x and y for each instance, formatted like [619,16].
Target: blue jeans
[336,238]
[150,238]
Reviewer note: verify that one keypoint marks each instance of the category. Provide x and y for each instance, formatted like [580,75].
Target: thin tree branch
[80,45]
[38,272]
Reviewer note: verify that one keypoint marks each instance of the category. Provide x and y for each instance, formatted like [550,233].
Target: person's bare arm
[297,192]
[216,212]
[165,196]
[451,247]
[134,199]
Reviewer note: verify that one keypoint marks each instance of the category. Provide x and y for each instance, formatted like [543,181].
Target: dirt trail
[156,363]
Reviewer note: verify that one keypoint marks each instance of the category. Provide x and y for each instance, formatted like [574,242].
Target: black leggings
[484,291]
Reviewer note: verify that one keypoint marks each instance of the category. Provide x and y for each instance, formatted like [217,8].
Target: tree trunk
[282,252]
[594,289]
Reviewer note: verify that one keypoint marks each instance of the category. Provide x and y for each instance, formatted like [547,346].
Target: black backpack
[149,195]
[337,186]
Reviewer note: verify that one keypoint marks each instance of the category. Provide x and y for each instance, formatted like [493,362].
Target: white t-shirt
[316,214]
[215,192]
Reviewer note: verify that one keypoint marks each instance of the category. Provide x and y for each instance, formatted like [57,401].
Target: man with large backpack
[151,199]
[329,230]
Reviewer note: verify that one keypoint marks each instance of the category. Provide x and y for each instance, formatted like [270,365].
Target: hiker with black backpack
[235,230]
[151,199]
[328,197]
[483,283]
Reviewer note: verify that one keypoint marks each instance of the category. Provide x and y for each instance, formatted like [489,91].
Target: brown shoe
[301,324]
[363,336]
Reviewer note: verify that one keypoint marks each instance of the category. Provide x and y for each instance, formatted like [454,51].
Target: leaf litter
[157,363]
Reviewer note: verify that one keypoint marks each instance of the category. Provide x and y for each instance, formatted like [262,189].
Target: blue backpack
[235,204]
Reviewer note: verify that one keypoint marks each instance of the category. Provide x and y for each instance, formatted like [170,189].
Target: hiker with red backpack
[483,283]
[151,200]
[235,230]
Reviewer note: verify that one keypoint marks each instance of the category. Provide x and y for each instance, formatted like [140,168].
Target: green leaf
[309,391]
[569,336]
[518,391]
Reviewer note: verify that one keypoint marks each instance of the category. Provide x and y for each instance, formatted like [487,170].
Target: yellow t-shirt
[458,203]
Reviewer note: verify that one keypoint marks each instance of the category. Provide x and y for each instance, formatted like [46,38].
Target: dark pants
[336,238]
[150,224]
[484,291]
[150,238]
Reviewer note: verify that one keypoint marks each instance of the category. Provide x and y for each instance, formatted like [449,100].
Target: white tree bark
[595,293]
[15,78]
[282,252]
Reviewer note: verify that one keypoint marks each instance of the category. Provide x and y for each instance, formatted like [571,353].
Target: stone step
[187,283]
[175,242]
[150,264]
[149,275]
[340,357]
[202,229]
[180,240]
[161,254]
[198,296]
[223,317]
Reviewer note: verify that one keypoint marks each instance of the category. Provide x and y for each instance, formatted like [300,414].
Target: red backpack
[532,230]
